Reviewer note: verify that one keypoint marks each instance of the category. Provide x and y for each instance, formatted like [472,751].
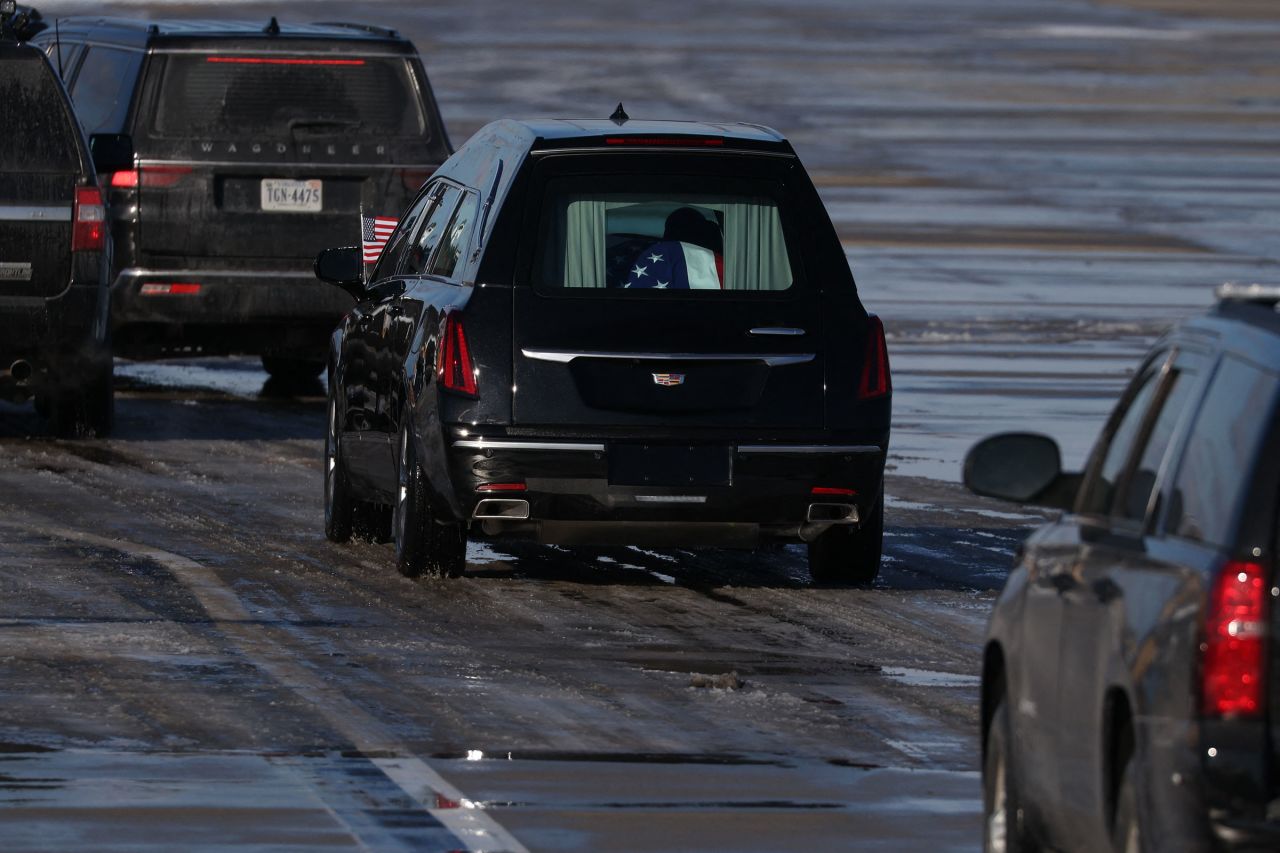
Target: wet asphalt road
[1028,192]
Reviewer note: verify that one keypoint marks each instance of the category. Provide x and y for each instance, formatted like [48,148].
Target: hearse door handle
[776,330]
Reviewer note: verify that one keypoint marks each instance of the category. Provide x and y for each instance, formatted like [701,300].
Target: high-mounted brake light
[875,381]
[681,141]
[278,60]
[88,221]
[454,367]
[1233,674]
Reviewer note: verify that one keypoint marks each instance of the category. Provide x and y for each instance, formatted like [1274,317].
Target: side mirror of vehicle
[111,152]
[1022,467]
[342,267]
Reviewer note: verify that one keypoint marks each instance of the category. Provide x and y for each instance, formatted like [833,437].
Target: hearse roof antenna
[273,27]
[57,45]
[620,116]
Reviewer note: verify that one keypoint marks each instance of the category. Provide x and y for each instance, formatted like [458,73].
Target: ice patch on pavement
[480,554]
[929,677]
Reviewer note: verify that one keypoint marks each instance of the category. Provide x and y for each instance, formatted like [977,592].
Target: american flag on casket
[374,232]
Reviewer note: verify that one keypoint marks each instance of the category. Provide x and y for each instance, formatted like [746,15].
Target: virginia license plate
[281,195]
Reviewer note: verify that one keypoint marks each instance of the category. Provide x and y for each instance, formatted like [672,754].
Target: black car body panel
[256,147]
[53,291]
[679,417]
[1098,641]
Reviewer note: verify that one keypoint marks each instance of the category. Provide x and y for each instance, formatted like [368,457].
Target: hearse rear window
[632,233]
[230,94]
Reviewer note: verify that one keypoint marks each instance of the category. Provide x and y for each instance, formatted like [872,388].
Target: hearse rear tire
[338,504]
[845,555]
[425,544]
[1002,811]
[290,369]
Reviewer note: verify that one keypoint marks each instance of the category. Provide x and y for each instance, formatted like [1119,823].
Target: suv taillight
[875,380]
[454,367]
[88,221]
[1233,675]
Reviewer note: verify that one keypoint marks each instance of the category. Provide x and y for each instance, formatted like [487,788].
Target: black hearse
[54,255]
[258,144]
[611,331]
[1130,693]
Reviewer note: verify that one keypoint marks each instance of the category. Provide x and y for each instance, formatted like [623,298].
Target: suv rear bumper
[569,497]
[224,311]
[51,339]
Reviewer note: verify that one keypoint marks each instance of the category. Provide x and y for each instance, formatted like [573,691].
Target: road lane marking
[443,801]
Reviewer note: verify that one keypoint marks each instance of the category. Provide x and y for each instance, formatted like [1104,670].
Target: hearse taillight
[875,380]
[454,367]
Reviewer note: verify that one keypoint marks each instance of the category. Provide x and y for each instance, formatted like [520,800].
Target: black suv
[1130,689]
[611,332]
[257,145]
[54,255]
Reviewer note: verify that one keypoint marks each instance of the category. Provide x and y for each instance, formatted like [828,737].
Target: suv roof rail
[371,29]
[1268,294]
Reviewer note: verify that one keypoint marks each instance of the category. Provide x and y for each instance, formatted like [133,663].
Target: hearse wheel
[338,504]
[425,544]
[848,555]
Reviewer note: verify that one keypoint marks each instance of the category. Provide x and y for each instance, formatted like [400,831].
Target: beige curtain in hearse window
[755,251]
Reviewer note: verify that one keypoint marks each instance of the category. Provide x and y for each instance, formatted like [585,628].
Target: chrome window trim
[754,449]
[35,213]
[777,330]
[566,356]
[503,444]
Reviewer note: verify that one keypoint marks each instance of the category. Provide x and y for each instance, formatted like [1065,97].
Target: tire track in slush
[444,802]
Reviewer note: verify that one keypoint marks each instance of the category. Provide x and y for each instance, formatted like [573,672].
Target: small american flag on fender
[374,232]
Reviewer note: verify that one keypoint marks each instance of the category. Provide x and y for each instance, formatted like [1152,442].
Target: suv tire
[1001,808]
[290,369]
[849,555]
[424,543]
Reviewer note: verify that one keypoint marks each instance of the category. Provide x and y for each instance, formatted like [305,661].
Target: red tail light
[174,289]
[149,176]
[875,380]
[834,491]
[454,367]
[1235,642]
[88,221]
[665,141]
[263,60]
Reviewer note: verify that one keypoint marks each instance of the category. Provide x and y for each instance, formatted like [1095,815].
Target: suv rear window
[646,233]
[38,136]
[236,94]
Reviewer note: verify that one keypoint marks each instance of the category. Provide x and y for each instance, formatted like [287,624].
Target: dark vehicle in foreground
[1130,695]
[600,332]
[257,145]
[55,260]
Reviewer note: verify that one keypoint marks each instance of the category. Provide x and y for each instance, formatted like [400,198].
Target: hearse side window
[245,94]
[104,87]
[1102,485]
[641,233]
[418,253]
[1235,415]
[456,237]
[1138,485]
[391,253]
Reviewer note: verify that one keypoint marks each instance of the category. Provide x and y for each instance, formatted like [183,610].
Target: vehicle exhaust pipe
[21,371]
[833,513]
[507,509]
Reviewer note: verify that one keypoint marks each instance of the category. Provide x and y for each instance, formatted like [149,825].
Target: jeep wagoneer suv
[258,144]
